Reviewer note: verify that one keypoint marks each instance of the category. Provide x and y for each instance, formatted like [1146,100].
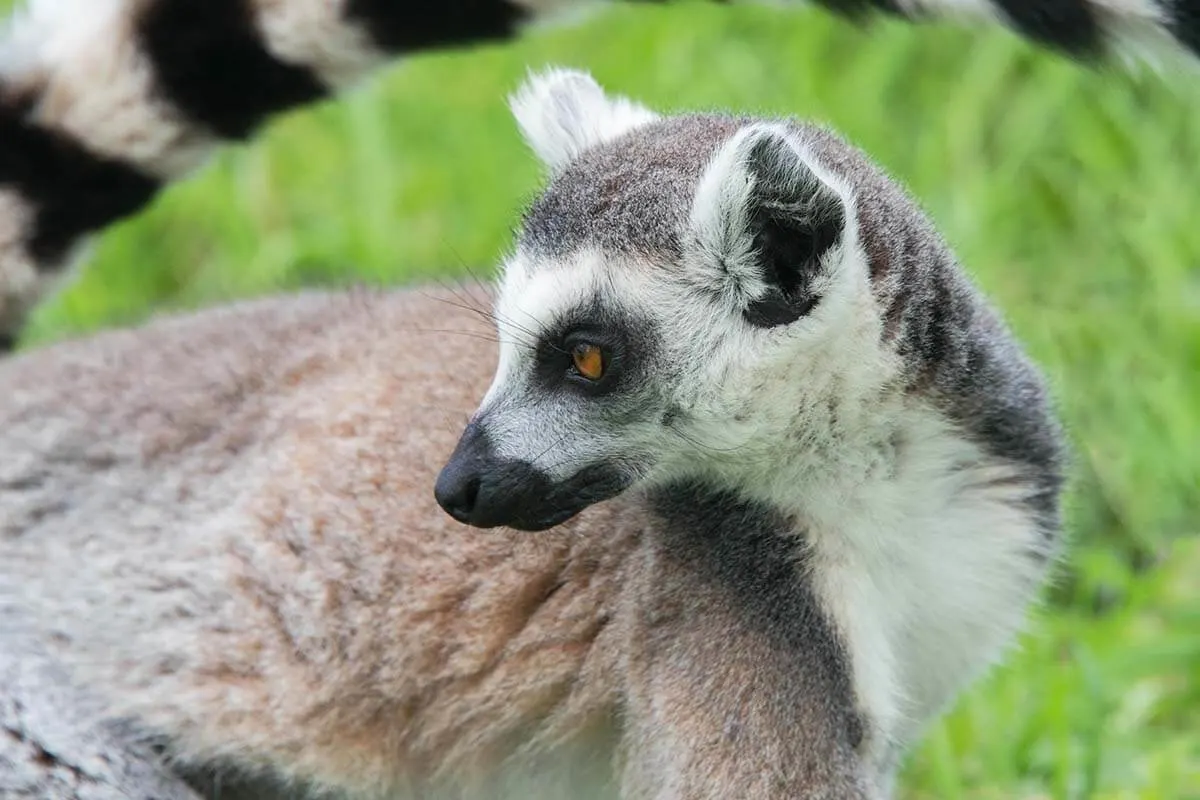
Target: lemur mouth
[545,523]
[478,488]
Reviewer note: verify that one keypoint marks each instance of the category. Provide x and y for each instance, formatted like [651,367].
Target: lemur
[834,495]
[767,483]
[103,102]
[220,529]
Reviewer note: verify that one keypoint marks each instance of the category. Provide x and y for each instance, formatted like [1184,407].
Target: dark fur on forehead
[632,194]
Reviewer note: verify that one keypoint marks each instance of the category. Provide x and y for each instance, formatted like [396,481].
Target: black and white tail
[103,102]
[1085,29]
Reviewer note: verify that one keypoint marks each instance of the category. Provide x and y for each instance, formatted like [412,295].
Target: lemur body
[808,496]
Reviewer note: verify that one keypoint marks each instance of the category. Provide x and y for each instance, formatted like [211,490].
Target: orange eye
[589,361]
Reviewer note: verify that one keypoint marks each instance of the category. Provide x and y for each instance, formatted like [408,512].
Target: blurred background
[1072,196]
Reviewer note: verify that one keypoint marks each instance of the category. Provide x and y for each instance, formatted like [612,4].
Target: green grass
[1070,195]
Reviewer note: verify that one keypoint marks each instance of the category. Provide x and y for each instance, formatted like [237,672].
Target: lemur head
[689,297]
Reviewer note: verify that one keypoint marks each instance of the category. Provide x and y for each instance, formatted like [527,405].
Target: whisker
[490,316]
[532,336]
[462,291]
[470,335]
[461,303]
[555,444]
[457,303]
[493,322]
[701,446]
[476,280]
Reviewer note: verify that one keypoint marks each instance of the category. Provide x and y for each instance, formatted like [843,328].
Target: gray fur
[53,743]
[625,195]
[894,371]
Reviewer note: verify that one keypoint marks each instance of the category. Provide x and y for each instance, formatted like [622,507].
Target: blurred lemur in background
[794,483]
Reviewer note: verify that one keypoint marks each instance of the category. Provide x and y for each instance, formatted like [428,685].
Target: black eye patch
[556,368]
[623,338]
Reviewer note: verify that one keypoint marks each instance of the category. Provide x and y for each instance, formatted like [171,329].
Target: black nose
[478,488]
[457,492]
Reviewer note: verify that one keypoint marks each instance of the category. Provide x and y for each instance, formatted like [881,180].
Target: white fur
[23,281]
[48,31]
[317,35]
[953,9]
[97,87]
[923,567]
[718,217]
[532,295]
[562,113]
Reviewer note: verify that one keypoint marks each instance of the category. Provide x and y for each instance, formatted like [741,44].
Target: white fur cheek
[509,352]
[515,278]
[548,434]
[533,296]
[527,432]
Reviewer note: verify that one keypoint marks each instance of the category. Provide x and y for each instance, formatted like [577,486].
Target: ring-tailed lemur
[794,485]
[102,102]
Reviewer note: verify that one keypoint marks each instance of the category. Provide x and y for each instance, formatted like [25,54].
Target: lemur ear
[767,220]
[563,112]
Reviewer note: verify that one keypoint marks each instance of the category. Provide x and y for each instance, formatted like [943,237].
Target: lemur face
[682,290]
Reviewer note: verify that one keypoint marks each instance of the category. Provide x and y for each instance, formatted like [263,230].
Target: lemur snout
[480,488]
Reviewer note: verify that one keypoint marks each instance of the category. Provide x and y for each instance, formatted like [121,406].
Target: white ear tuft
[563,112]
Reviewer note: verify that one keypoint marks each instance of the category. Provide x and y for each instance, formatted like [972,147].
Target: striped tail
[103,102]
[1084,29]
